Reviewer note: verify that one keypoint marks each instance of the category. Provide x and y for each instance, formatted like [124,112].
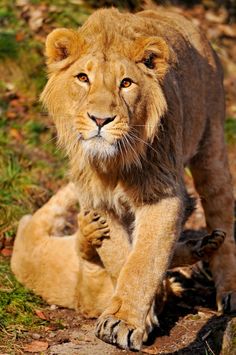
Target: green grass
[25,170]
[17,309]
[15,186]
[230,130]
[17,304]
[8,45]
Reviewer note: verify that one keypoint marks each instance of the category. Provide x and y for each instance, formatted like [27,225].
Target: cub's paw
[208,245]
[93,227]
[117,332]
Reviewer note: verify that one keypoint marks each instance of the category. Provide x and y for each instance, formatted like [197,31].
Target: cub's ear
[153,52]
[62,44]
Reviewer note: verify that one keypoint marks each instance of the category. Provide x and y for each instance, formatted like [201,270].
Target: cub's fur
[135,98]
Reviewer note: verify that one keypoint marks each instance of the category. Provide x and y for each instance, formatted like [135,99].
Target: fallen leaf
[21,3]
[14,133]
[50,328]
[15,103]
[6,252]
[36,346]
[37,16]
[20,36]
[40,314]
[11,115]
[152,351]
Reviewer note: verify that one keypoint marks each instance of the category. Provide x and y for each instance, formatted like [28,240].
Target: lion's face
[105,102]
[105,96]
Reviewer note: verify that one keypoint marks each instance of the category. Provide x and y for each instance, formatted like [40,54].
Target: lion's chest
[96,194]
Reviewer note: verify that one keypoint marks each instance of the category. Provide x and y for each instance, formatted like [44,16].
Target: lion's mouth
[98,146]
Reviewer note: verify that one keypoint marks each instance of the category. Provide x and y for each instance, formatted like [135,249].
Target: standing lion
[136,98]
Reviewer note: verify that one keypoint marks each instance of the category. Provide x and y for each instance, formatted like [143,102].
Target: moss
[14,182]
[23,170]
[8,45]
[17,310]
[70,16]
[230,130]
[17,304]
[130,4]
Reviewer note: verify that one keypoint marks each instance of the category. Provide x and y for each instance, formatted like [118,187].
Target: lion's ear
[61,44]
[153,52]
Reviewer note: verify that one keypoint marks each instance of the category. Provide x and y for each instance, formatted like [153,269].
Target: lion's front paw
[117,332]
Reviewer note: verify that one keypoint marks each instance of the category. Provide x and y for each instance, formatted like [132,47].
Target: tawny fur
[170,115]
[66,270]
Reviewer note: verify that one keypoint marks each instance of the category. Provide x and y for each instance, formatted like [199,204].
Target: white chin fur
[98,148]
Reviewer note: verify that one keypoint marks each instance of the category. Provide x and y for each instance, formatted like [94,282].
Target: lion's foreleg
[114,250]
[123,322]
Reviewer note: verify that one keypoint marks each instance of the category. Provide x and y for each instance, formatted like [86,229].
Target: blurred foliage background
[31,166]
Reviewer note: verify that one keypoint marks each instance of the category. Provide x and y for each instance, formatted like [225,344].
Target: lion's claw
[115,331]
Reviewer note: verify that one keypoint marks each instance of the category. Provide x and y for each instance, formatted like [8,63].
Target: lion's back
[195,77]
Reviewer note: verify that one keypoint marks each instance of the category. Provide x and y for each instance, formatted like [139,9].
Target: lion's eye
[125,83]
[83,77]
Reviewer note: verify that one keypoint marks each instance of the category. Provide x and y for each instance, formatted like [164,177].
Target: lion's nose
[100,122]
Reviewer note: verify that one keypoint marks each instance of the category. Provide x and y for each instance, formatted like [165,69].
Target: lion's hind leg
[51,218]
[213,182]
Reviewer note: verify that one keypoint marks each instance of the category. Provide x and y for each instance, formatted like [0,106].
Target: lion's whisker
[137,157]
[119,143]
[141,140]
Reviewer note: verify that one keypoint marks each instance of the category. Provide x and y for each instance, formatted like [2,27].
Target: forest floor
[28,160]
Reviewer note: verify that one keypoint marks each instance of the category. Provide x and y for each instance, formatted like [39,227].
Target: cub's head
[104,90]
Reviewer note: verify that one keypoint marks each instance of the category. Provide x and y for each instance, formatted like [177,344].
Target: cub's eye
[83,77]
[126,82]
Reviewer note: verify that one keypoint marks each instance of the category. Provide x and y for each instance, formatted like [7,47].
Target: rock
[53,307]
[36,346]
[35,336]
[229,339]
[64,349]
